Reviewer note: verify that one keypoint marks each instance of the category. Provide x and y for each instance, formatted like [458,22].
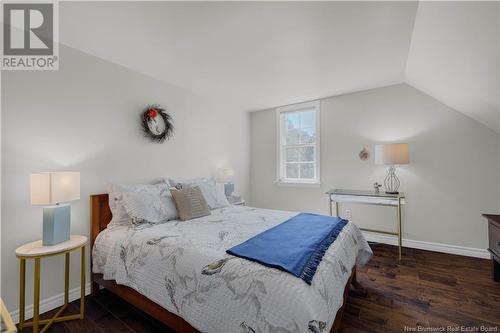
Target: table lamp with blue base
[52,188]
[224,175]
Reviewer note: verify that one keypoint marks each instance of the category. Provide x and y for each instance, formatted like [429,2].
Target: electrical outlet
[348,214]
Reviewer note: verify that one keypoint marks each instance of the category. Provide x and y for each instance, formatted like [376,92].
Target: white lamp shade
[392,154]
[49,188]
[223,175]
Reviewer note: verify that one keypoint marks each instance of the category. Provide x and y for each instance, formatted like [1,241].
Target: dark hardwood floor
[426,289]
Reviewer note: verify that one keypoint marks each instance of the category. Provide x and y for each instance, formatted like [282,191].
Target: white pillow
[178,183]
[149,208]
[115,191]
[214,195]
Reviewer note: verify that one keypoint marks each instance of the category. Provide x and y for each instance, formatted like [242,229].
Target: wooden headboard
[100,215]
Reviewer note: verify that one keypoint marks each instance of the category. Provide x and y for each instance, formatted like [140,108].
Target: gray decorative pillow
[213,194]
[190,203]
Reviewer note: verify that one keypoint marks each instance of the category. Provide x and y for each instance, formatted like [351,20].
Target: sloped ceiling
[454,57]
[258,55]
[252,55]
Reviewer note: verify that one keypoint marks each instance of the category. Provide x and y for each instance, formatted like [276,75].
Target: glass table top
[362,193]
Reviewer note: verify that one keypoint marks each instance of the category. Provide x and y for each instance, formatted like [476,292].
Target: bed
[179,273]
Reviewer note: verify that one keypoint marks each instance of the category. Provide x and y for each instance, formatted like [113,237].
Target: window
[298,143]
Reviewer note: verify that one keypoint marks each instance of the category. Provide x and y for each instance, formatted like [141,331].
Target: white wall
[85,117]
[454,56]
[453,176]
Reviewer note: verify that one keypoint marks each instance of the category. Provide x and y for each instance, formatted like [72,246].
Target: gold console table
[370,198]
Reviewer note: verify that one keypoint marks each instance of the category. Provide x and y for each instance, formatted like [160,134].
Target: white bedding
[183,267]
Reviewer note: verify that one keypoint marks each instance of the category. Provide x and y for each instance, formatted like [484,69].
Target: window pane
[292,170]
[292,120]
[308,135]
[292,154]
[307,119]
[307,154]
[307,170]
[292,136]
[298,150]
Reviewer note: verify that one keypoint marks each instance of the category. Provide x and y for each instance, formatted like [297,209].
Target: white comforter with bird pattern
[184,267]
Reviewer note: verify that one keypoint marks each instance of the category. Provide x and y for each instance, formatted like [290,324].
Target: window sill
[297,184]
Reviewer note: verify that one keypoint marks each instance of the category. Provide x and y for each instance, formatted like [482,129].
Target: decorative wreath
[156,123]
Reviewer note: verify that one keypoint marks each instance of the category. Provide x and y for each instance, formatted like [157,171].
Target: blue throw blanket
[295,246]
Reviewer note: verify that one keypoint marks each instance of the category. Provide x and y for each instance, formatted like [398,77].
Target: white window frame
[280,151]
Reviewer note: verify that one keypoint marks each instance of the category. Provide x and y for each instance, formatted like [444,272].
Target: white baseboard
[437,247]
[50,303]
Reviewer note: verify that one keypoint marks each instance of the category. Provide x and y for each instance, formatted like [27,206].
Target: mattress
[183,266]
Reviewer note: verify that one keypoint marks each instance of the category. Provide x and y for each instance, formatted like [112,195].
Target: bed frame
[100,216]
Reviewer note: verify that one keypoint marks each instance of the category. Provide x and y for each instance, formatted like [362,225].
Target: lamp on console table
[392,155]
[51,189]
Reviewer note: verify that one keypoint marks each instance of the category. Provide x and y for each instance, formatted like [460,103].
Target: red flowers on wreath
[152,113]
[156,123]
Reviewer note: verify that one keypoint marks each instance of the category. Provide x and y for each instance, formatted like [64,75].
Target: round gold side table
[35,250]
